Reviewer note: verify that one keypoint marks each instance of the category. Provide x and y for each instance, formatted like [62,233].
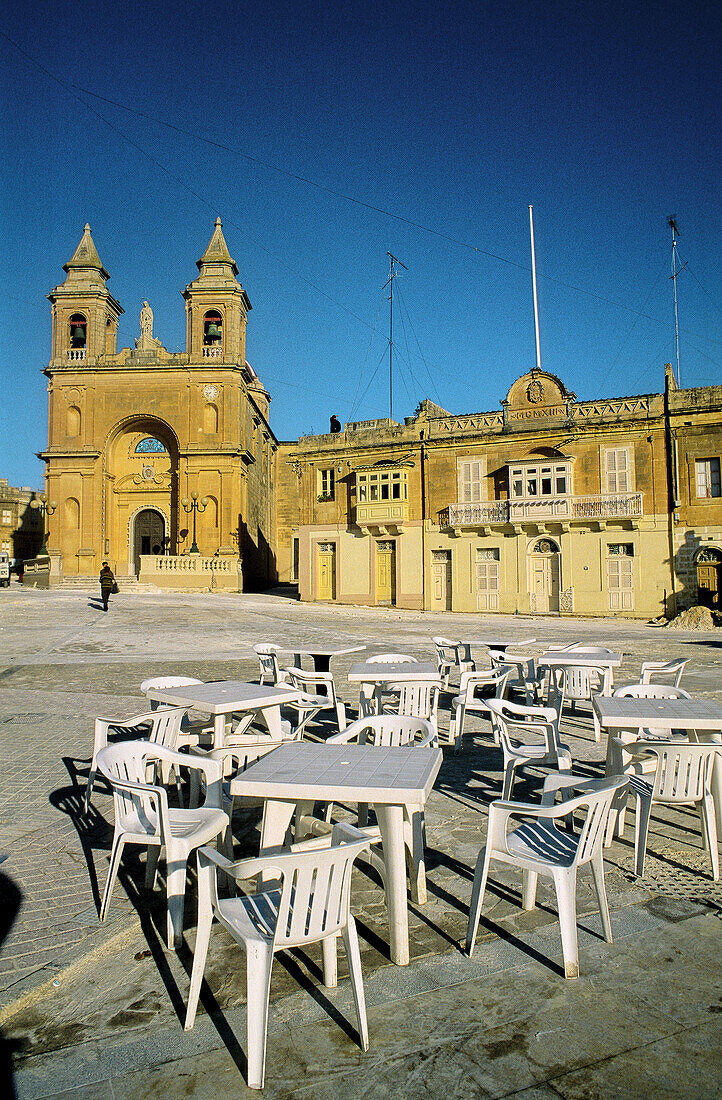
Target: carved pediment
[146,479]
[536,396]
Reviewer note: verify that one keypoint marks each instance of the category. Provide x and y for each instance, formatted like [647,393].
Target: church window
[78,330]
[150,446]
[73,420]
[212,329]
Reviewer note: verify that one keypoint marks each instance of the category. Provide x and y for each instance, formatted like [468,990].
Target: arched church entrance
[148,535]
[141,480]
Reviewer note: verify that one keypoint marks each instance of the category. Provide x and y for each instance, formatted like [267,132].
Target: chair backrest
[160,682]
[392,659]
[124,763]
[582,681]
[599,804]
[390,730]
[512,721]
[166,726]
[673,670]
[684,769]
[651,691]
[447,652]
[419,699]
[471,684]
[315,888]
[310,682]
[267,654]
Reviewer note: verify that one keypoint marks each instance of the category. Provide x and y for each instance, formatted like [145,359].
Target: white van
[4,569]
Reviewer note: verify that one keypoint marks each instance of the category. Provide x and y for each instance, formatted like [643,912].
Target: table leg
[219,731]
[271,717]
[391,823]
[276,819]
[414,819]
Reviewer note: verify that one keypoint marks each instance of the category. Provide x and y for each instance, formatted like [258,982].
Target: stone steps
[125,584]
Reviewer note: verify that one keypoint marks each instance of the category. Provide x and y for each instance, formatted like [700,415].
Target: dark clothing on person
[335,424]
[107,580]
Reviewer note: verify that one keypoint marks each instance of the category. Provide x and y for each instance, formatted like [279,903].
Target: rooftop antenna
[672,223]
[533,284]
[390,283]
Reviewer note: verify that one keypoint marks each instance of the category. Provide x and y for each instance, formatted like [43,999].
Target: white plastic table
[577,658]
[226,697]
[392,672]
[396,781]
[322,655]
[496,643]
[622,715]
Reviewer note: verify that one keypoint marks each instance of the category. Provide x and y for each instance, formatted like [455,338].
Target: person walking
[107,580]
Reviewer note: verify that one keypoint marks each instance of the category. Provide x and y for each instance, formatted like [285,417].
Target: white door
[620,583]
[545,582]
[487,582]
[441,580]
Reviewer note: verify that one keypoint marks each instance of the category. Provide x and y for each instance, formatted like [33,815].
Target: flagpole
[533,283]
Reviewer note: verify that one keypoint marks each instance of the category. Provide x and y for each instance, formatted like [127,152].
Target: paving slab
[95,1009]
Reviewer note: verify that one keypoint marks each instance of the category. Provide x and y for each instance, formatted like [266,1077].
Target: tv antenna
[390,283]
[672,223]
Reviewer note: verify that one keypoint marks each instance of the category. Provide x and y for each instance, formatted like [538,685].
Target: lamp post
[45,508]
[194,506]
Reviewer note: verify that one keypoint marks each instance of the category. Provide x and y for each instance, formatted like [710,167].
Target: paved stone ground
[94,1010]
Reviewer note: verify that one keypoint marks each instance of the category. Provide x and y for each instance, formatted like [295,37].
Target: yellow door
[386,572]
[708,584]
[326,571]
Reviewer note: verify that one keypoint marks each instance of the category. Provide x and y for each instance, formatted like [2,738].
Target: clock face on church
[210,393]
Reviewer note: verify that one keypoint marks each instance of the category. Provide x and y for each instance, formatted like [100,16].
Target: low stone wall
[191,571]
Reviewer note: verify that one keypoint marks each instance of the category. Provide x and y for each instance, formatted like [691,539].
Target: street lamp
[45,509]
[194,505]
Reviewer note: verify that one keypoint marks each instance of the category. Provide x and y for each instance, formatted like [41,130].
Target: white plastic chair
[522,670]
[471,701]
[308,905]
[320,691]
[390,730]
[682,777]
[449,655]
[539,847]
[673,670]
[267,654]
[512,720]
[418,699]
[581,682]
[372,695]
[193,732]
[161,727]
[621,761]
[142,816]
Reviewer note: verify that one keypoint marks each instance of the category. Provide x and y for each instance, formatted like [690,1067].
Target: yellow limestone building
[147,448]
[546,505]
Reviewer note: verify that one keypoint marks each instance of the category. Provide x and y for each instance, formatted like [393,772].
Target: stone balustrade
[191,571]
[76,355]
[603,506]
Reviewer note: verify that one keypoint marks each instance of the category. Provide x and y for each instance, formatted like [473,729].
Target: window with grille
[374,485]
[707,477]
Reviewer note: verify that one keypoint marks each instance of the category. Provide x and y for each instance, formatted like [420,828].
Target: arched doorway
[709,578]
[544,576]
[148,535]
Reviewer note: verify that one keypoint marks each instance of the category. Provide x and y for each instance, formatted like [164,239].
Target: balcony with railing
[76,355]
[545,509]
[212,351]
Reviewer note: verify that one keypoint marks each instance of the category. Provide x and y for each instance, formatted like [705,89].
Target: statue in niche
[147,341]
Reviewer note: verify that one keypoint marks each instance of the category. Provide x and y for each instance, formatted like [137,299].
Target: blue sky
[454,119]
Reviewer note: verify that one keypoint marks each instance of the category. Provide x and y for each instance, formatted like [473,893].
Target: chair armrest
[128,723]
[558,781]
[157,794]
[345,737]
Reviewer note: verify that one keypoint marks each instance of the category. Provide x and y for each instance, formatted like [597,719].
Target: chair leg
[709,831]
[528,891]
[566,888]
[151,864]
[509,777]
[330,962]
[203,935]
[176,888]
[350,942]
[601,888]
[118,845]
[641,829]
[258,983]
[91,780]
[478,890]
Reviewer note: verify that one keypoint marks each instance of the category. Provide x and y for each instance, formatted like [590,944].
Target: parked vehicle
[4,569]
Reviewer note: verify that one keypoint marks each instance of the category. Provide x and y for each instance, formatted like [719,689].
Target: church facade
[165,465]
[152,454]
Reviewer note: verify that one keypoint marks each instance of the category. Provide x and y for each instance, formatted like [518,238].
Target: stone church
[160,463]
